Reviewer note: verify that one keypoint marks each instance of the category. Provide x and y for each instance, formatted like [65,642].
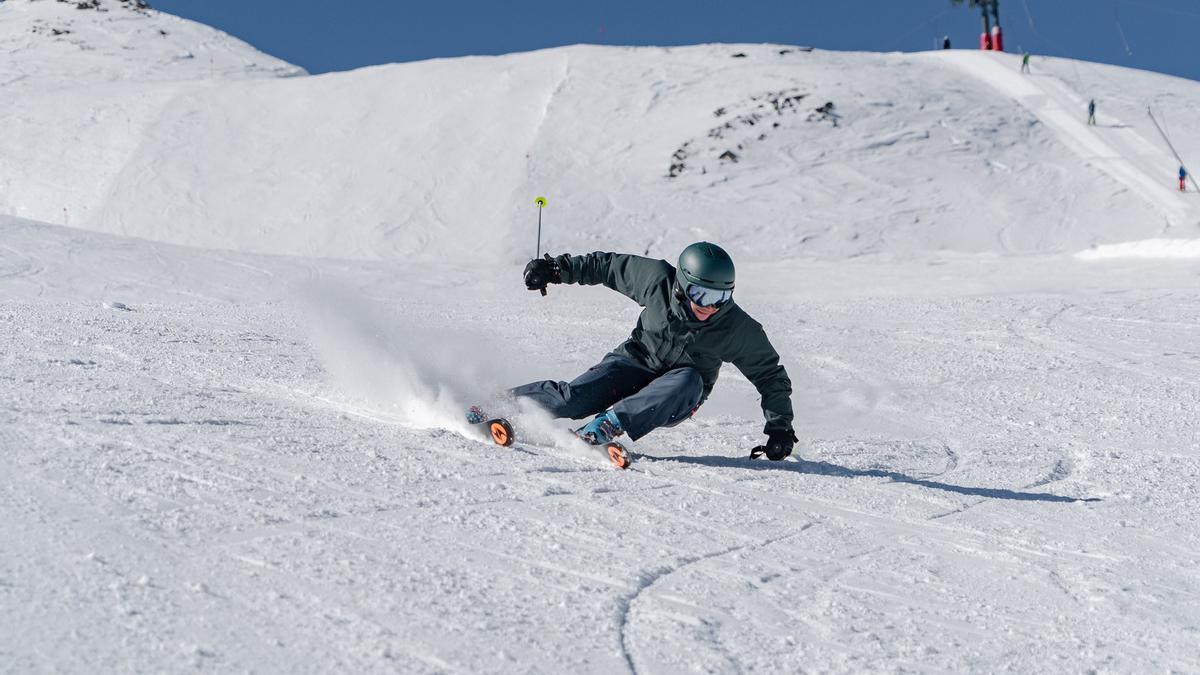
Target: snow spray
[393,371]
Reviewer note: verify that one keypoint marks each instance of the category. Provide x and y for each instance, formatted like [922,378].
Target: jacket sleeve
[630,275]
[759,362]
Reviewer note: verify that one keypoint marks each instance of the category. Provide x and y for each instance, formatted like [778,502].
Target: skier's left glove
[542,271]
[779,445]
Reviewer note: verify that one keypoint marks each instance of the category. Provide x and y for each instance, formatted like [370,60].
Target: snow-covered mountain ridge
[51,44]
[641,148]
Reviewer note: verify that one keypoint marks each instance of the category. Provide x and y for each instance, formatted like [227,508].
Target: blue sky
[1155,35]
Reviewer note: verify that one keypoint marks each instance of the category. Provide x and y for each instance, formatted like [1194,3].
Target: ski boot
[601,431]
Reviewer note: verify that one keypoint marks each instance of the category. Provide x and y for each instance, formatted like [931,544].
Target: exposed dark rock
[757,111]
[135,5]
[40,28]
[824,112]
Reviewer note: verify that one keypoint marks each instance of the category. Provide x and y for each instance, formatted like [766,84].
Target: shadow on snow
[828,469]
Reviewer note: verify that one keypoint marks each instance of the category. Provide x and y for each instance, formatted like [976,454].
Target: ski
[500,431]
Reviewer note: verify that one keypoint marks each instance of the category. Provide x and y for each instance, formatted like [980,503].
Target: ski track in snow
[646,581]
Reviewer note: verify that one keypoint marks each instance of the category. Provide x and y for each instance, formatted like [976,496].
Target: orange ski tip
[618,456]
[501,433]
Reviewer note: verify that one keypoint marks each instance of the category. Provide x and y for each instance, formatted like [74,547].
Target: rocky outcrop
[727,141]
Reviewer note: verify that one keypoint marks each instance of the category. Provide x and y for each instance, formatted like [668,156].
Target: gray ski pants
[642,399]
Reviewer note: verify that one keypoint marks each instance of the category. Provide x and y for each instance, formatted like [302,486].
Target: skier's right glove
[542,271]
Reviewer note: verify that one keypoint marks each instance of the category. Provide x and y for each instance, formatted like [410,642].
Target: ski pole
[541,204]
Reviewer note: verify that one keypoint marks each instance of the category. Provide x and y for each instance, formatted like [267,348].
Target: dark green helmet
[707,265]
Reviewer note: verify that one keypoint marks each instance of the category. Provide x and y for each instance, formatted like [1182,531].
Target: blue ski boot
[601,430]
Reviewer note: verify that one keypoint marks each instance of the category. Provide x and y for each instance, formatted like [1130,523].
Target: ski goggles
[708,297]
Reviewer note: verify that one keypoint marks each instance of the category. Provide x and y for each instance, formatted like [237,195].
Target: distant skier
[1092,112]
[946,42]
[1182,178]
[1025,63]
[689,326]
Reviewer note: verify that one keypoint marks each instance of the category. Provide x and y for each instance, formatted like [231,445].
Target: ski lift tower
[992,38]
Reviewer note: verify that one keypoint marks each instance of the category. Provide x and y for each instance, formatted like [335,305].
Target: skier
[1182,178]
[1025,63]
[661,375]
[945,42]
[1092,112]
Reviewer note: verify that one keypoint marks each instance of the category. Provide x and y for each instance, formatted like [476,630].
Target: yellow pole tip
[540,201]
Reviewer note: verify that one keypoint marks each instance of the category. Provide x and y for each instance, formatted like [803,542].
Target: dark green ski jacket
[667,336]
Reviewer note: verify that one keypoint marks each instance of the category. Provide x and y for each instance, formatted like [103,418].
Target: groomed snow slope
[228,461]
[441,159]
[223,461]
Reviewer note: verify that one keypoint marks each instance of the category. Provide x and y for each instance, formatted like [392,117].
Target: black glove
[779,445]
[542,271]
